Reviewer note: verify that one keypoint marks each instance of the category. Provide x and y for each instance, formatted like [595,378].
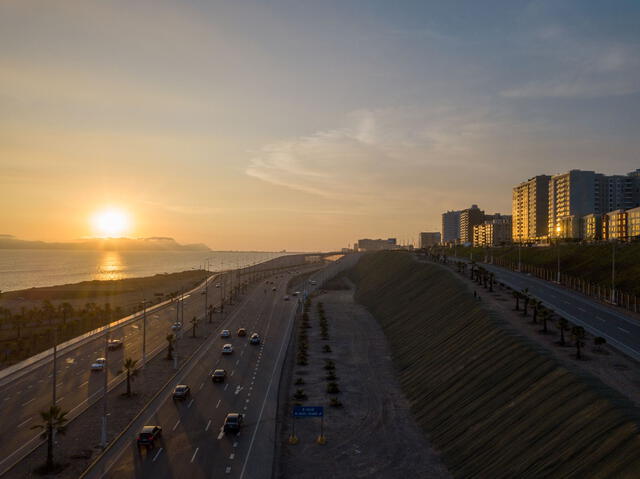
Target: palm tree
[598,341]
[527,298]
[546,314]
[130,368]
[170,340]
[67,310]
[517,295]
[578,335]
[563,325]
[53,421]
[194,322]
[210,312]
[535,307]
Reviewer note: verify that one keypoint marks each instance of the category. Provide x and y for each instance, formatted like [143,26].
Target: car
[233,422]
[219,375]
[242,332]
[114,344]
[286,297]
[295,293]
[254,339]
[181,391]
[227,349]
[148,435]
[313,282]
[99,364]
[217,285]
[274,289]
[177,325]
[225,333]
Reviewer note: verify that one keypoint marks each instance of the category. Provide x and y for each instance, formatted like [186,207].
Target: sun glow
[110,223]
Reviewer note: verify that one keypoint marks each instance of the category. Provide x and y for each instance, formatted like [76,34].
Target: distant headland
[156,243]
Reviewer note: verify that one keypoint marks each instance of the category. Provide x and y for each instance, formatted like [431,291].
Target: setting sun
[110,223]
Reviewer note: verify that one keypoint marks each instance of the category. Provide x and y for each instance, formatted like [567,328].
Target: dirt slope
[493,402]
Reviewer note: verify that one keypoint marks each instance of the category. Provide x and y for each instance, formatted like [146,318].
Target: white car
[99,364]
[227,349]
[176,326]
[225,333]
[217,285]
[286,298]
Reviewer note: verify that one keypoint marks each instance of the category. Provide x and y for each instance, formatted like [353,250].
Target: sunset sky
[303,124]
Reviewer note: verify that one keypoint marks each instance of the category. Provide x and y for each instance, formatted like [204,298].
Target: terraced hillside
[494,403]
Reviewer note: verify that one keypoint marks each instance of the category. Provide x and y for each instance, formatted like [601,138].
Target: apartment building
[530,210]
[614,225]
[493,232]
[429,239]
[633,223]
[469,218]
[451,227]
[377,244]
[592,227]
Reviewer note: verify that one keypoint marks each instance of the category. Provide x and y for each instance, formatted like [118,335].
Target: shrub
[335,402]
[299,382]
[331,376]
[300,395]
[326,348]
[329,365]
[332,388]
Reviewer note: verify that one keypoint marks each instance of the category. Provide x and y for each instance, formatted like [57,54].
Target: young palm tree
[536,307]
[545,314]
[563,325]
[170,340]
[578,335]
[53,421]
[130,368]
[517,295]
[526,298]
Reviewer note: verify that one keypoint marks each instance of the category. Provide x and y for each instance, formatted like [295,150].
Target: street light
[558,230]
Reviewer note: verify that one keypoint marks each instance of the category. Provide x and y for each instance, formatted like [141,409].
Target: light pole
[103,435]
[613,272]
[144,331]
[519,257]
[55,363]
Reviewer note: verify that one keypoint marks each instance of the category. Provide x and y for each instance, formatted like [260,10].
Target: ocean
[28,268]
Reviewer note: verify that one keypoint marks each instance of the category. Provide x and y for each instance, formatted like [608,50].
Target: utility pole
[103,438]
[55,363]
[144,331]
[519,257]
[558,250]
[613,271]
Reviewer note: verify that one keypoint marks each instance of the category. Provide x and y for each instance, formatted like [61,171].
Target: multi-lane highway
[620,329]
[193,444]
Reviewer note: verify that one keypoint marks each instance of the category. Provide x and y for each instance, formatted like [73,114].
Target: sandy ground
[373,434]
[612,367]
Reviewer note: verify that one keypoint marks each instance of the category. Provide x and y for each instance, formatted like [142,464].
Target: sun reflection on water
[110,266]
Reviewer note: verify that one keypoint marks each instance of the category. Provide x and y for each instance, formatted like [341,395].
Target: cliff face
[493,402]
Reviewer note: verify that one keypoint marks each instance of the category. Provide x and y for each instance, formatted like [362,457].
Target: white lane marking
[598,317]
[232,372]
[217,405]
[231,456]
[583,310]
[84,383]
[226,386]
[237,362]
[25,421]
[248,394]
[235,444]
[157,454]
[175,425]
[60,399]
[194,454]
[241,353]
[227,470]
[623,330]
[190,403]
[221,435]
[208,424]
[244,408]
[238,389]
[246,400]
[201,385]
[25,403]
[7,398]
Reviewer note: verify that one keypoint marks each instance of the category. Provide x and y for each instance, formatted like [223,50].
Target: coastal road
[620,330]
[22,399]
[193,444]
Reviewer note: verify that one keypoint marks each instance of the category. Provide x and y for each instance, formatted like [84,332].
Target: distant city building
[530,210]
[376,244]
[592,227]
[493,232]
[633,223]
[469,218]
[451,227]
[614,225]
[429,239]
[622,192]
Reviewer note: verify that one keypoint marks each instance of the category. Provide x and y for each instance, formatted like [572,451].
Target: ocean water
[21,269]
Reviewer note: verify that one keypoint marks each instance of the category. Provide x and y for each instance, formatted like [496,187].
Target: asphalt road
[22,400]
[619,329]
[193,444]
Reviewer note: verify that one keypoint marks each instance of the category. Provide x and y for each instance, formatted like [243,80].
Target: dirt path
[373,434]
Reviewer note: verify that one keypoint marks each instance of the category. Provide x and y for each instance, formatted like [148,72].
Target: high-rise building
[622,192]
[573,195]
[530,210]
[429,239]
[633,223]
[614,225]
[451,227]
[469,218]
[592,227]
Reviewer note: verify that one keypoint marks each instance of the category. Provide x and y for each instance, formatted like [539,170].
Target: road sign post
[309,411]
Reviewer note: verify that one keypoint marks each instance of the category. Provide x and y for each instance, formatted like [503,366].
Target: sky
[303,125]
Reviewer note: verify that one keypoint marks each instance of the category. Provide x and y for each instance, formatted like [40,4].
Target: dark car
[181,391]
[219,375]
[232,422]
[242,332]
[148,435]
[114,344]
[255,339]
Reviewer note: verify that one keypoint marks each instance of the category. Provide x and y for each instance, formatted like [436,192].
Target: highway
[619,329]
[193,444]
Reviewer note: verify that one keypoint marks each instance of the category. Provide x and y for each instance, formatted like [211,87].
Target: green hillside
[494,403]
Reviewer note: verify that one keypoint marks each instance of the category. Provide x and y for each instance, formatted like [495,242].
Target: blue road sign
[308,411]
